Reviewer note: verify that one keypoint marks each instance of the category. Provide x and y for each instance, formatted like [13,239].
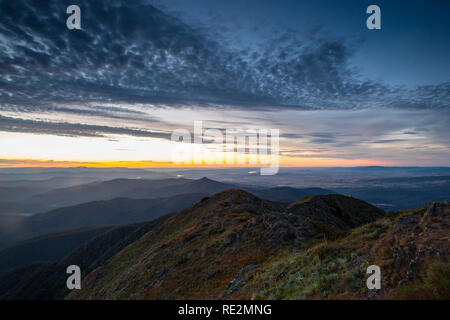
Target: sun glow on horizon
[42,150]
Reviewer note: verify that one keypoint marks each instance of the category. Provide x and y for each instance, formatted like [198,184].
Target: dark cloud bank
[132,52]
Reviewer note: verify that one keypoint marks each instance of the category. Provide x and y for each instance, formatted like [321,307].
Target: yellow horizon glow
[43,150]
[312,162]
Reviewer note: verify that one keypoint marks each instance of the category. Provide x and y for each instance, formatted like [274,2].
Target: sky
[113,93]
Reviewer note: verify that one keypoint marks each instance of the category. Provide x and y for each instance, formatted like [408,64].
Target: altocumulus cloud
[10,124]
[132,53]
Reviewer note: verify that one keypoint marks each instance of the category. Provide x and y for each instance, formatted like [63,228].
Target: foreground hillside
[233,245]
[410,247]
[26,282]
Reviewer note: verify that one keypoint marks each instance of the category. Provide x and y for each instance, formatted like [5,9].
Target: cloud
[291,135]
[376,134]
[9,124]
[131,62]
[389,140]
[80,110]
[322,140]
[134,53]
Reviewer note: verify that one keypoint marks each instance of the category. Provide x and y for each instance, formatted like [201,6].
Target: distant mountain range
[124,201]
[30,191]
[407,196]
[102,190]
[151,189]
[288,195]
[118,211]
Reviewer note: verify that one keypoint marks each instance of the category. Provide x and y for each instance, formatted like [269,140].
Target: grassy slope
[412,255]
[238,246]
[175,261]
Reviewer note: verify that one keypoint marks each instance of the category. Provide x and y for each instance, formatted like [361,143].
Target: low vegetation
[236,246]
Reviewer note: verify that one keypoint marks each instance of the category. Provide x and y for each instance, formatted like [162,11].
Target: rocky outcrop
[239,281]
[337,211]
[253,218]
[417,240]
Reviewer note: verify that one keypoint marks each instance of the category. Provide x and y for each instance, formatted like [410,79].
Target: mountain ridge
[219,235]
[234,245]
